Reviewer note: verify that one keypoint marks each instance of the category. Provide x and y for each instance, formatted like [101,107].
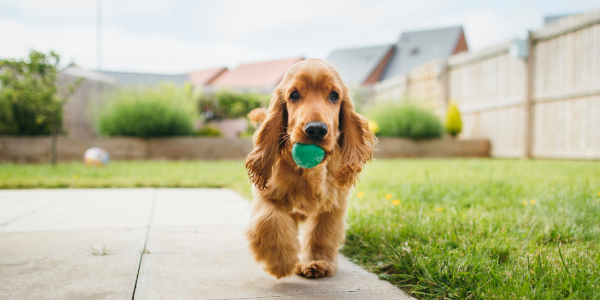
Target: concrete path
[159,244]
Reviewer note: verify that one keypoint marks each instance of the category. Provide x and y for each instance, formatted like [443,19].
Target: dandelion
[532,202]
[396,202]
[388,196]
[524,202]
[75,176]
[598,194]
[439,209]
[360,194]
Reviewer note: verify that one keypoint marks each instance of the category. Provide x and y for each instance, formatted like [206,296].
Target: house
[368,65]
[554,18]
[362,66]
[205,77]
[128,79]
[418,47]
[258,77]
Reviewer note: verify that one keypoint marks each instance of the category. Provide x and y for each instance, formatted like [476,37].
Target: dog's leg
[321,239]
[273,237]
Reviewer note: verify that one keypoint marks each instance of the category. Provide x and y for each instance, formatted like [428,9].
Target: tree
[31,103]
[453,123]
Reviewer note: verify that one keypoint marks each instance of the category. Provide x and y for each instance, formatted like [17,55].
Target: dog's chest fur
[309,191]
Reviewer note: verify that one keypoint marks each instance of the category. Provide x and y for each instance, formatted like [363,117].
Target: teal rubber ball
[307,156]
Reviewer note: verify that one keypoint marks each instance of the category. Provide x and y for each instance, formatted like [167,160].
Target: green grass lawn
[211,174]
[459,229]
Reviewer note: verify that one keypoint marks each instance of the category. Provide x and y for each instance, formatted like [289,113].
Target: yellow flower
[439,209]
[598,193]
[396,202]
[524,202]
[373,126]
[360,194]
[388,196]
[75,176]
[532,202]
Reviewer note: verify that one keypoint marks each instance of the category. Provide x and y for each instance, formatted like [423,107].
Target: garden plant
[31,98]
[406,120]
[226,104]
[163,111]
[453,123]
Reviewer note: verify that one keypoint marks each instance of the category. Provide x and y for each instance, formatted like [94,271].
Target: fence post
[529,93]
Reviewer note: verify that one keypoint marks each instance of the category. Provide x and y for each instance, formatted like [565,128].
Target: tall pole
[529,100]
[99,33]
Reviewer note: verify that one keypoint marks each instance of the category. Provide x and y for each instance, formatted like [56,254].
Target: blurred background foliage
[30,103]
[150,112]
[406,119]
[227,104]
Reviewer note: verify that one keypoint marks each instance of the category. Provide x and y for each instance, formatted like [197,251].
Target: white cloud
[121,50]
[179,36]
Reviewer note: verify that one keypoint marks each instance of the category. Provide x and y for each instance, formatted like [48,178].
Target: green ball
[307,156]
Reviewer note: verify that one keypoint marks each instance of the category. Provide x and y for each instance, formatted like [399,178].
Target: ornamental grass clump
[405,120]
[151,112]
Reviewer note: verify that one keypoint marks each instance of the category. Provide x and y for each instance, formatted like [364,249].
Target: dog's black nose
[315,130]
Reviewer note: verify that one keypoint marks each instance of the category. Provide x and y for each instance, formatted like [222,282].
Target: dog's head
[312,105]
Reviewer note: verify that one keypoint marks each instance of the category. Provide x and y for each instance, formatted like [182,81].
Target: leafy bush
[405,120]
[209,130]
[30,103]
[151,112]
[227,104]
[453,123]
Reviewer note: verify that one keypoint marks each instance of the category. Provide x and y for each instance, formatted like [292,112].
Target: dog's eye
[333,97]
[295,96]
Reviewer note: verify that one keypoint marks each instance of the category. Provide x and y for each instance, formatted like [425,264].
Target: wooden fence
[543,102]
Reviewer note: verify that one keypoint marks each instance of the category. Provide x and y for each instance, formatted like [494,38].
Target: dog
[257,116]
[311,105]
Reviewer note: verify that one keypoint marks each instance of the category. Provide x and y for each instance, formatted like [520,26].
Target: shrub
[227,104]
[209,130]
[405,120]
[453,123]
[151,112]
[30,103]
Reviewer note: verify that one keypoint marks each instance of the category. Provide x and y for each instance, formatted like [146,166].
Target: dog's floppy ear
[267,142]
[356,142]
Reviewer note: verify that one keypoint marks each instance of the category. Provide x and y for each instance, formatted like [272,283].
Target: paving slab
[187,244]
[234,275]
[72,243]
[68,277]
[86,210]
[177,208]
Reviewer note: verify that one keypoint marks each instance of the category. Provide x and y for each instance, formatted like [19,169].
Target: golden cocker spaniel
[311,105]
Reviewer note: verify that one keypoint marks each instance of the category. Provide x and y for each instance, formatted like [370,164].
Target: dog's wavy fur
[286,194]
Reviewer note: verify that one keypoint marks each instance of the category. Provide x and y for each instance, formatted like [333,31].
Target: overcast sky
[179,36]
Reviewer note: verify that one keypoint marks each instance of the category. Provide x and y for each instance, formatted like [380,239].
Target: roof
[205,77]
[355,65]
[129,78]
[554,18]
[76,71]
[418,47]
[256,75]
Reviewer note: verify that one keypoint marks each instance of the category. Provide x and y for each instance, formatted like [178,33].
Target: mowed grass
[205,174]
[480,229]
[454,229]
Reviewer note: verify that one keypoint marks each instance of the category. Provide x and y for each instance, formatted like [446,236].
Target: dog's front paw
[315,269]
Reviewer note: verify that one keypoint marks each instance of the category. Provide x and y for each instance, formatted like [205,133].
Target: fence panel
[567,89]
